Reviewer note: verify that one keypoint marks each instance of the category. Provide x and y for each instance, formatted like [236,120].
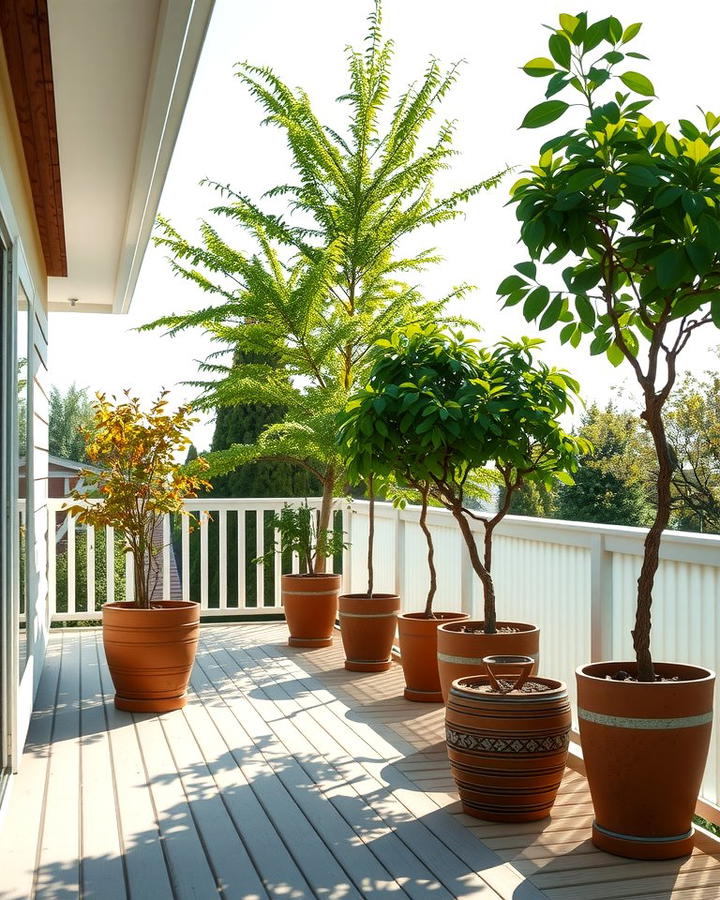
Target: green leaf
[688,129]
[696,150]
[615,30]
[585,310]
[567,332]
[585,279]
[596,33]
[580,181]
[666,195]
[510,284]
[529,269]
[569,23]
[614,354]
[670,267]
[613,56]
[641,176]
[536,302]
[544,113]
[540,67]
[600,343]
[559,47]
[552,313]
[556,84]
[638,83]
[631,31]
[715,310]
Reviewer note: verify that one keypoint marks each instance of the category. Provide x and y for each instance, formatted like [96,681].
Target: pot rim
[167,606]
[310,575]
[708,674]
[362,595]
[415,616]
[524,628]
[459,684]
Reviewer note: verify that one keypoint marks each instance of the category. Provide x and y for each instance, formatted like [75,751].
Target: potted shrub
[309,596]
[437,411]
[633,208]
[149,643]
[368,620]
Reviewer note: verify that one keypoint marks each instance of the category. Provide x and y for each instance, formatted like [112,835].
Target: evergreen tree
[69,413]
[324,282]
[612,484]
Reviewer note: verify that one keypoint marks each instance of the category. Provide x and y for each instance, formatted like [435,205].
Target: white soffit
[122,71]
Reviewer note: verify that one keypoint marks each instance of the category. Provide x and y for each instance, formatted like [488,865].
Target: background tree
[613,484]
[326,279]
[693,430]
[70,414]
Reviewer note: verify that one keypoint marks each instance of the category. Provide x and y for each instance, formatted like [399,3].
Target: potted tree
[309,596]
[438,409]
[633,207]
[368,620]
[149,643]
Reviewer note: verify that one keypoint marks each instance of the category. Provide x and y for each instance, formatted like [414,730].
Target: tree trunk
[371,535]
[651,556]
[325,521]
[430,558]
[489,614]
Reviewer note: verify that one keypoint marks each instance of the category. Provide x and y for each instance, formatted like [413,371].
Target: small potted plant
[516,405]
[633,208]
[309,597]
[149,643]
[368,620]
[437,410]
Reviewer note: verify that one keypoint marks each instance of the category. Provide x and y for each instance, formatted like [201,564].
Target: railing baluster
[110,564]
[241,599]
[204,526]
[52,562]
[277,597]
[185,538]
[129,576]
[71,563]
[259,551]
[90,568]
[166,551]
[222,573]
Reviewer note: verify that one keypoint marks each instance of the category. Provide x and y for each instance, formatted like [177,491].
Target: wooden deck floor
[285,776]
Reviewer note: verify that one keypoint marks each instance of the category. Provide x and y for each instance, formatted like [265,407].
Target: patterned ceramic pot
[507,751]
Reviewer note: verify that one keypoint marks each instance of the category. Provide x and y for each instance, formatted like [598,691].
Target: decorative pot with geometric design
[507,750]
[644,745]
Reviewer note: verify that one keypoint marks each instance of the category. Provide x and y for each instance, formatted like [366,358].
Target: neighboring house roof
[100,89]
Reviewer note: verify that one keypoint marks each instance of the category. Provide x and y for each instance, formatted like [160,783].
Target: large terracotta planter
[367,628]
[507,751]
[310,603]
[417,637]
[461,654]
[150,653]
[644,747]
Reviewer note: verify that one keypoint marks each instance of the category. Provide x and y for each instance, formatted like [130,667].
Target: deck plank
[145,864]
[18,856]
[60,851]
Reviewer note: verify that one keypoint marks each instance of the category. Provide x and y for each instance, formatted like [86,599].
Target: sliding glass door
[8,687]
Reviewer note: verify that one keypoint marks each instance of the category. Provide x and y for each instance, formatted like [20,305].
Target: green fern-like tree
[328,278]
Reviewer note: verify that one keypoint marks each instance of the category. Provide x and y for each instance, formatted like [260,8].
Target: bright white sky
[303,42]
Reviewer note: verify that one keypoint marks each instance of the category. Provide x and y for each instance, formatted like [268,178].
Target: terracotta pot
[461,655]
[644,746]
[418,654]
[507,751]
[367,628]
[310,603]
[150,653]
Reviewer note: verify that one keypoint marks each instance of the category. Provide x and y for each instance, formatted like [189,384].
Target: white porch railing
[576,581]
[206,557]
